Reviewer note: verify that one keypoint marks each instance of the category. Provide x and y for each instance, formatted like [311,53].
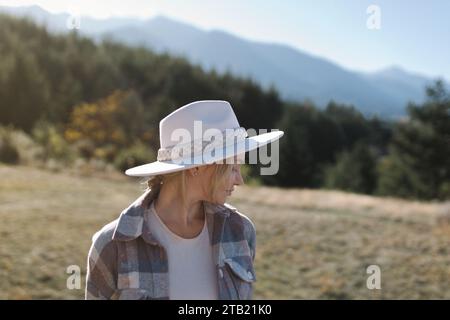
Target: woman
[180,240]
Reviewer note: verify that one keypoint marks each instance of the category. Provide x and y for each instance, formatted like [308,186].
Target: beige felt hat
[199,133]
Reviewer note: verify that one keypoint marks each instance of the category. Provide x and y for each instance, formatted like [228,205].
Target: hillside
[310,244]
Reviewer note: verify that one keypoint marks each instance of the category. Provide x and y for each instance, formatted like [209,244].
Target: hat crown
[213,114]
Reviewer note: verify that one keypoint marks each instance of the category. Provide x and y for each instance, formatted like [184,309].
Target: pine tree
[418,165]
[354,170]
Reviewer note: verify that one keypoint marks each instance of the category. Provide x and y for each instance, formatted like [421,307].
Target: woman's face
[225,185]
[226,188]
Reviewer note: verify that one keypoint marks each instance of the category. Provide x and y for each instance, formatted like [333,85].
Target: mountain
[399,84]
[296,74]
[59,22]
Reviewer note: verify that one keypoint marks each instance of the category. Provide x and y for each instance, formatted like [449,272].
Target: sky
[414,35]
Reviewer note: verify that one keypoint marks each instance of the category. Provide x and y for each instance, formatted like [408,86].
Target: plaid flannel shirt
[125,260]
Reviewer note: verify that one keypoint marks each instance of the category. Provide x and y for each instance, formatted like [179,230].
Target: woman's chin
[222,198]
[220,201]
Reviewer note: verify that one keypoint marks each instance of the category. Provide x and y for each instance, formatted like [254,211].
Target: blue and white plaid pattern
[126,262]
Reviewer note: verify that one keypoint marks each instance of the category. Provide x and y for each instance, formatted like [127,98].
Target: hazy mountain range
[296,74]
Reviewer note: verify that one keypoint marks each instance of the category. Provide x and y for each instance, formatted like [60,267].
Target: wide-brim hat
[209,132]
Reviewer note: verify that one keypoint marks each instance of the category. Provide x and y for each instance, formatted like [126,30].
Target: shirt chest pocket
[239,276]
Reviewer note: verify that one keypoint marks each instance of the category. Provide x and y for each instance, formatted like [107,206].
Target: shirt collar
[132,221]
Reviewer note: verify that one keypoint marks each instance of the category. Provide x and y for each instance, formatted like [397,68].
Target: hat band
[226,138]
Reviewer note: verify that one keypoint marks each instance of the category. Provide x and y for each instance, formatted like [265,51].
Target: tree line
[106,100]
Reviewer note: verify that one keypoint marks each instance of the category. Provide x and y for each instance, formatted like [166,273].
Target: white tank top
[192,273]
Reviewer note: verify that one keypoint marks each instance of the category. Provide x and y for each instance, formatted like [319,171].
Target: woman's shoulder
[124,227]
[103,238]
[238,217]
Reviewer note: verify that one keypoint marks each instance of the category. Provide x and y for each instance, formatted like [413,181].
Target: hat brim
[163,167]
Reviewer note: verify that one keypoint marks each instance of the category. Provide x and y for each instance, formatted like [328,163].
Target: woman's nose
[239,180]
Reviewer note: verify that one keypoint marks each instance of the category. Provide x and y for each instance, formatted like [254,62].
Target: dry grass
[310,244]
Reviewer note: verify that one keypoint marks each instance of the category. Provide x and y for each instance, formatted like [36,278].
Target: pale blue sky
[414,34]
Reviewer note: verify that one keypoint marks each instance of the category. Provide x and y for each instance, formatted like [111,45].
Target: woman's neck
[171,208]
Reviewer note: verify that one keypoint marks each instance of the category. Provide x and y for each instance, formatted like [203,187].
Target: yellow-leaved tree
[103,128]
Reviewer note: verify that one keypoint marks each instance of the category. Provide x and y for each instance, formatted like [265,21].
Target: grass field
[310,244]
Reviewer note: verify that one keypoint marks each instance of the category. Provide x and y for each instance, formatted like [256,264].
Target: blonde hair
[154,183]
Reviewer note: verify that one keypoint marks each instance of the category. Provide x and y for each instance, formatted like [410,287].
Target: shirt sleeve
[101,276]
[253,243]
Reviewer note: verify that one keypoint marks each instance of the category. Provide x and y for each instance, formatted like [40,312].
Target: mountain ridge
[296,74]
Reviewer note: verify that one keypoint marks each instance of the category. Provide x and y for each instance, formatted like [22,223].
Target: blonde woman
[180,240]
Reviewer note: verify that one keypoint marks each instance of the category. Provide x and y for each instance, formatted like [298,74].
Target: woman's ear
[193,172]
